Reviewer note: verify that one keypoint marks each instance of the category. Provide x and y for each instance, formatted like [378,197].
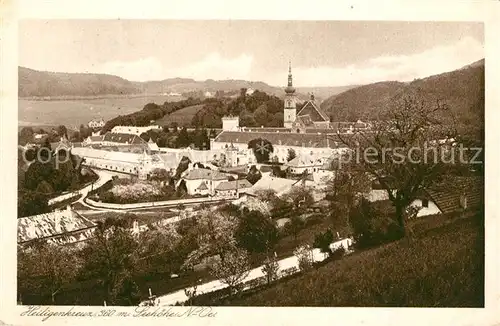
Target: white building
[96,123]
[202,181]
[132,130]
[305,164]
[232,189]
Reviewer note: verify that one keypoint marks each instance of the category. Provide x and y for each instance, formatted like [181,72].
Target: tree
[305,257]
[323,241]
[62,131]
[291,155]
[232,269]
[183,139]
[262,149]
[270,269]
[253,175]
[260,115]
[31,203]
[256,232]
[300,197]
[111,256]
[183,166]
[44,188]
[159,174]
[389,154]
[144,136]
[26,135]
[295,225]
[46,268]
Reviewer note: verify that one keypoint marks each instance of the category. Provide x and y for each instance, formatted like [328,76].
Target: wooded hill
[462,90]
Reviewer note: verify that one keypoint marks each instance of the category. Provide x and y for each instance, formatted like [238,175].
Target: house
[132,130]
[95,123]
[61,227]
[232,189]
[304,164]
[315,114]
[465,193]
[195,179]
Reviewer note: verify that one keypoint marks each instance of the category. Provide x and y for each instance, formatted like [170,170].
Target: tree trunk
[401,219]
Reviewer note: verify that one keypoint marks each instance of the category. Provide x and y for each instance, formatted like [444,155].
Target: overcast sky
[323,53]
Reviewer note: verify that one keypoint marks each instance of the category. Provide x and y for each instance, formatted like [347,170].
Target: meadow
[182,117]
[73,112]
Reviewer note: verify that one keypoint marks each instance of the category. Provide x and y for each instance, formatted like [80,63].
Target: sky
[322,53]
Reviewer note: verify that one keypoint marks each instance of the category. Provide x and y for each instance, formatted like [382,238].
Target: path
[286,263]
[103,178]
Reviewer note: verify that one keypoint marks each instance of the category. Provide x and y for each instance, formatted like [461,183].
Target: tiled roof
[305,120]
[448,199]
[65,226]
[232,185]
[266,129]
[311,103]
[89,152]
[279,185]
[285,139]
[205,174]
[122,138]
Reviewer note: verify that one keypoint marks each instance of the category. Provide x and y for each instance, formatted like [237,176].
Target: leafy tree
[253,175]
[256,232]
[291,155]
[31,203]
[62,131]
[305,257]
[183,166]
[262,148]
[261,116]
[145,136]
[46,268]
[232,269]
[323,241]
[295,225]
[300,198]
[44,188]
[183,140]
[111,257]
[160,175]
[26,135]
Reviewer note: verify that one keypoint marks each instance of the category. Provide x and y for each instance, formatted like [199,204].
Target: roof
[305,120]
[122,138]
[279,185]
[311,105]
[202,186]
[266,129]
[284,139]
[118,156]
[205,174]
[448,199]
[65,225]
[232,185]
[303,160]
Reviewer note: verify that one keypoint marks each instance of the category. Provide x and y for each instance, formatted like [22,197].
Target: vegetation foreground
[439,267]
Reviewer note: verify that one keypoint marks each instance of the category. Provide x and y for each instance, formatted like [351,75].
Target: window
[425,202]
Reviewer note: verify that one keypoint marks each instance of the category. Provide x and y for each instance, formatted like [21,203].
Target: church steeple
[290,89]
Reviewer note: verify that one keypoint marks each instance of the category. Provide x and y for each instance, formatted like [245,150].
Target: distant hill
[34,83]
[42,83]
[462,89]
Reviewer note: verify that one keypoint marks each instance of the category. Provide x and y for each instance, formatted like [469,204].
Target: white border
[487,11]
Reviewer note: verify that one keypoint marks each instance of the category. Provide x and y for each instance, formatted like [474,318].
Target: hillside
[42,83]
[33,83]
[182,117]
[442,266]
[462,89]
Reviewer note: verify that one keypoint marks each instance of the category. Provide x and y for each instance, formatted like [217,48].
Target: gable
[313,111]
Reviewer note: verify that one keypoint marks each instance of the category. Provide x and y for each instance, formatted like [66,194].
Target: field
[72,113]
[441,267]
[183,117]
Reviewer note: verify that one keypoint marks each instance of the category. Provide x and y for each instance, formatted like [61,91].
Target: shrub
[305,257]
[270,269]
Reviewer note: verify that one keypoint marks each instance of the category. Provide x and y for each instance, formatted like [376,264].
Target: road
[286,263]
[104,177]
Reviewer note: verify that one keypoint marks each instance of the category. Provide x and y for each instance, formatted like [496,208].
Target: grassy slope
[183,116]
[443,266]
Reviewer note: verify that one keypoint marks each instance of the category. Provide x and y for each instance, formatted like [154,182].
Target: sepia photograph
[257,163]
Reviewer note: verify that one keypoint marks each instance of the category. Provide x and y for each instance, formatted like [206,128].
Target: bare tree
[397,150]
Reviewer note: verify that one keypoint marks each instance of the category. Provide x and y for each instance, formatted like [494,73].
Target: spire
[290,89]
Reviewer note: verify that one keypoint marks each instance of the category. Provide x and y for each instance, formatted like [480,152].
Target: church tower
[290,110]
